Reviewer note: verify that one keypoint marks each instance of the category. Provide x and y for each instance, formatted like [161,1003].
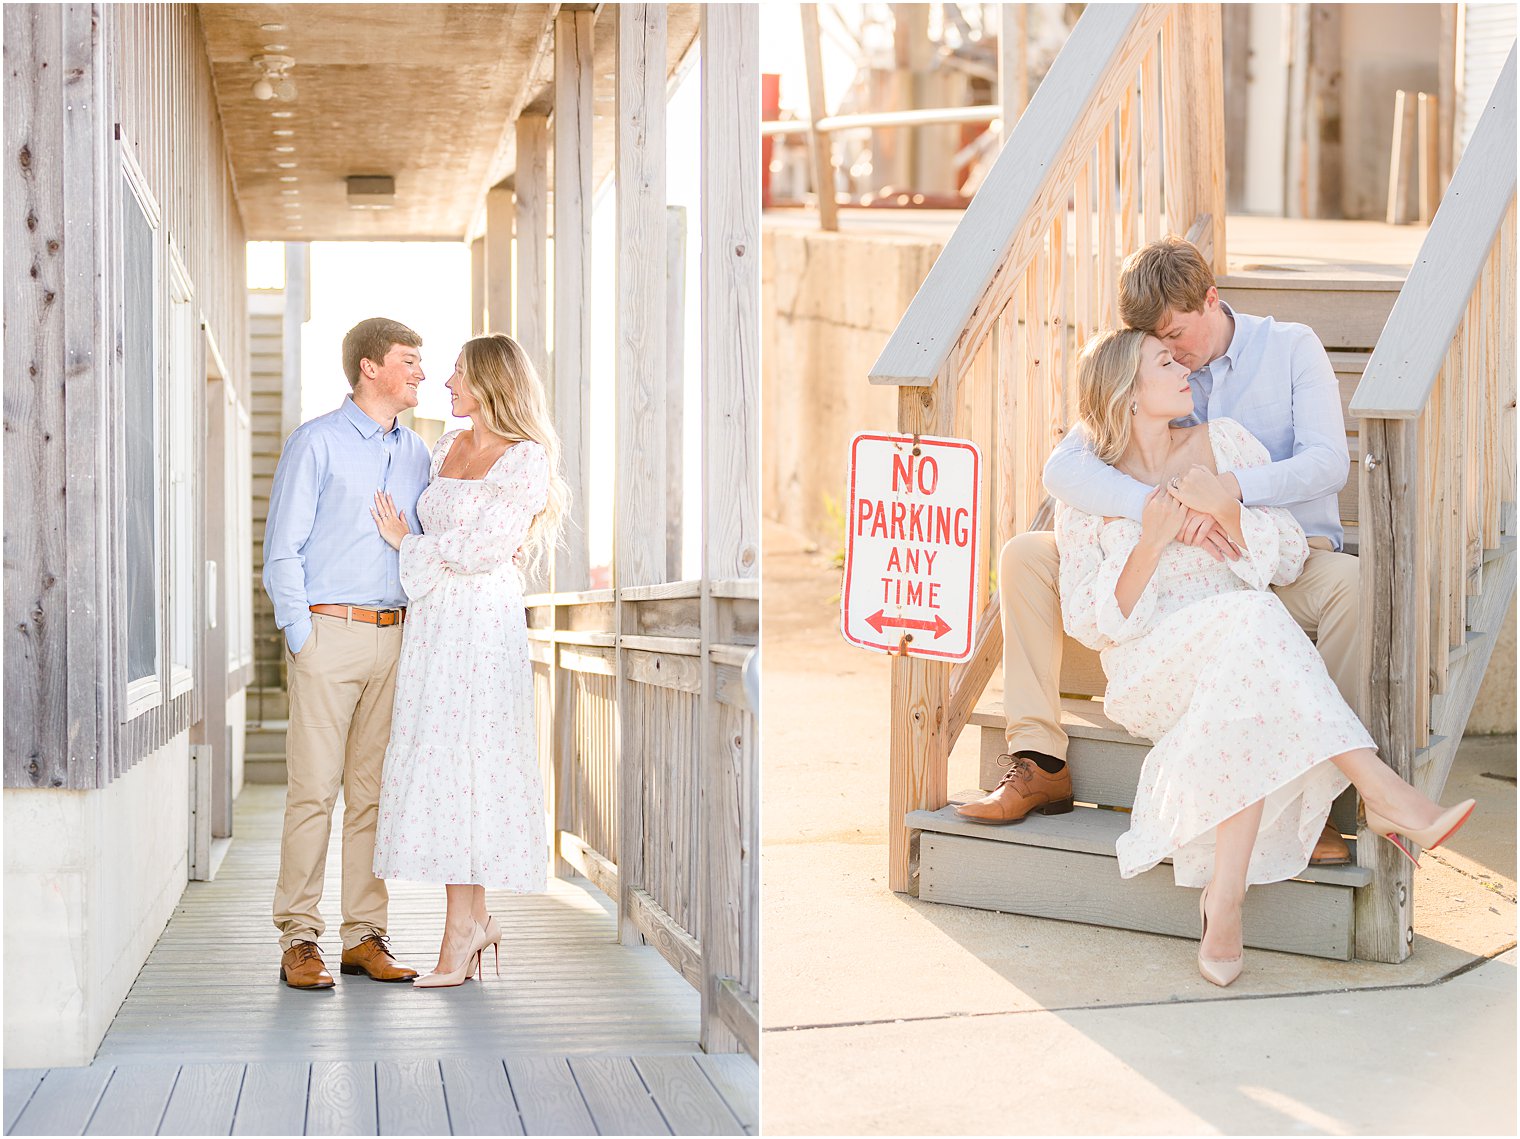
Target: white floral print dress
[1212,668]
[462,800]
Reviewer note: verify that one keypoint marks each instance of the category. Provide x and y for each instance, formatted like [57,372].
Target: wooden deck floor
[579,1036]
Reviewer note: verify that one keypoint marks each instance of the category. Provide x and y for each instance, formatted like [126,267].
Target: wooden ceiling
[425,93]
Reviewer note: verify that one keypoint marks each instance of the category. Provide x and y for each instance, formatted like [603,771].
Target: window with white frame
[184,380]
[139,504]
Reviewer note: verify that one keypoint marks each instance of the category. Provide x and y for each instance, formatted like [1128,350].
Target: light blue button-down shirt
[321,546]
[1276,381]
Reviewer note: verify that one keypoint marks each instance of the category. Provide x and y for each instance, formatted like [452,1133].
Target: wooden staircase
[986,350]
[268,702]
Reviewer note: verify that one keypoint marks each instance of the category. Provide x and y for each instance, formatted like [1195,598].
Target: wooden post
[1296,190]
[1398,161]
[730,149]
[917,766]
[1425,148]
[478,286]
[639,493]
[1392,623]
[818,142]
[675,390]
[500,211]
[572,280]
[1013,64]
[1195,125]
[532,188]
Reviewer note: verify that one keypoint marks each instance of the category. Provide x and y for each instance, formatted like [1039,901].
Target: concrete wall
[828,302]
[91,878]
[1385,47]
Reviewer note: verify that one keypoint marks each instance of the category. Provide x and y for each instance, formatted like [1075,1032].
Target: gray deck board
[341,1100]
[615,1094]
[20,1083]
[687,1099]
[736,1077]
[479,1098]
[204,1101]
[548,1097]
[273,1100]
[409,1098]
[209,1042]
[134,1101]
[63,1102]
[209,991]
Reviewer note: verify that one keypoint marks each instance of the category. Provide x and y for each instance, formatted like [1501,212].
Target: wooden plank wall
[83,86]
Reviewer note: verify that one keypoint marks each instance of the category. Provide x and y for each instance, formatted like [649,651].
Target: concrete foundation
[91,879]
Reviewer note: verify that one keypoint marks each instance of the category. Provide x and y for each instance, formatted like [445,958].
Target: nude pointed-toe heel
[1216,972]
[1427,838]
[460,975]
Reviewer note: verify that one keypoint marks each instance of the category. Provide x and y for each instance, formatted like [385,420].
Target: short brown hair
[1168,275]
[370,340]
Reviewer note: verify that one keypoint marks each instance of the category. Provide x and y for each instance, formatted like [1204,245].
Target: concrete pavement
[886,1015]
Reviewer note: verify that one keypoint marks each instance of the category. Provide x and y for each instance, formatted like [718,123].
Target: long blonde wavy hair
[501,378]
[1106,373]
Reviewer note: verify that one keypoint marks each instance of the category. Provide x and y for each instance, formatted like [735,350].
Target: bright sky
[426,285]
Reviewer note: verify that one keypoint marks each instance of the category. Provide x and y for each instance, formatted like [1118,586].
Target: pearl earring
[1134,406]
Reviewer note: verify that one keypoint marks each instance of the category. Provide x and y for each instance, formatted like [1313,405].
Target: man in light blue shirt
[1273,378]
[336,588]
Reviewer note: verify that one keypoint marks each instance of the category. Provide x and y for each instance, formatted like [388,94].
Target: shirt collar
[363,423]
[1224,364]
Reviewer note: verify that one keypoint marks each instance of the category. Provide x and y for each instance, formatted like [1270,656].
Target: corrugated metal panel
[1488,35]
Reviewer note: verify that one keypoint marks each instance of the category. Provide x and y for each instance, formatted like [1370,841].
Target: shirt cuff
[296,633]
[1254,484]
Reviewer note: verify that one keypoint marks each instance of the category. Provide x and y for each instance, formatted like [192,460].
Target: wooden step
[1344,313]
[1105,759]
[1064,867]
[264,769]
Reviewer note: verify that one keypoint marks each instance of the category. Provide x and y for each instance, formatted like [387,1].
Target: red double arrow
[879,619]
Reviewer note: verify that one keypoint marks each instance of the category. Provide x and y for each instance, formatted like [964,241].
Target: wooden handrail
[1030,168]
[1408,357]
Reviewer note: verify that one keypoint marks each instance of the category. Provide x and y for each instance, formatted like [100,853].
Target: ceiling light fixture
[274,77]
[371,191]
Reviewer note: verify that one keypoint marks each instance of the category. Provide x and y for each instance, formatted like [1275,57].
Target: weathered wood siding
[90,91]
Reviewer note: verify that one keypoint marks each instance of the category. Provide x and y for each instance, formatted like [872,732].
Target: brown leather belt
[380,617]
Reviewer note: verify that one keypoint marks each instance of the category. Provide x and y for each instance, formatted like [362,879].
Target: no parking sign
[911,554]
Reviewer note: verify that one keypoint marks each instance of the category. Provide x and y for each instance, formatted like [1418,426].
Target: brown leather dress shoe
[301,967]
[1331,849]
[372,957]
[1026,787]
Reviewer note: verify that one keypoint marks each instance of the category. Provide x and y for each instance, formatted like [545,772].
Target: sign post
[911,555]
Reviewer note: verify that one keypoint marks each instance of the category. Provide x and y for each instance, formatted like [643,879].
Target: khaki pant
[1324,601]
[342,685]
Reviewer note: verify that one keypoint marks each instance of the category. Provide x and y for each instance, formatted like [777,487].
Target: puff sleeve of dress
[514,490]
[1093,555]
[1276,548]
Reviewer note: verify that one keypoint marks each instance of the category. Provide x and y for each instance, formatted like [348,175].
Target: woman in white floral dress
[462,804]
[1252,739]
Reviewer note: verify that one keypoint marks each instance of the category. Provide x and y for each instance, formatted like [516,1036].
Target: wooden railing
[629,725]
[1437,411]
[1122,143]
